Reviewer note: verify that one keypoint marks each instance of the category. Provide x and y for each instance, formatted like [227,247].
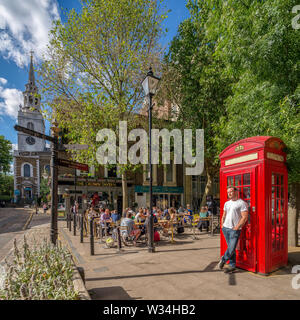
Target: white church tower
[32,157]
[29,116]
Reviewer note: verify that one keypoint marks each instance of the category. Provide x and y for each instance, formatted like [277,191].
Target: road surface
[12,222]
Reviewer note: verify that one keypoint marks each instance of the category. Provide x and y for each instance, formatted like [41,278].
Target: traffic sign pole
[55,162]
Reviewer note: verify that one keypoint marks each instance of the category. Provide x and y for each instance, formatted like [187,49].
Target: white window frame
[31,169]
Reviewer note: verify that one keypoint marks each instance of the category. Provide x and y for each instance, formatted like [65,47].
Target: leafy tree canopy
[5,155]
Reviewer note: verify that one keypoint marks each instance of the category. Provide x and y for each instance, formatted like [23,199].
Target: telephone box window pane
[278,217]
[238,180]
[282,180]
[273,210]
[246,193]
[229,181]
[278,192]
[240,192]
[273,192]
[246,179]
[282,204]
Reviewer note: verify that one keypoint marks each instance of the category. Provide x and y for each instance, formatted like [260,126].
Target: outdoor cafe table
[172,223]
[210,219]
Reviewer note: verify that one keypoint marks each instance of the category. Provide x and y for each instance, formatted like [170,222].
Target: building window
[30,126]
[146,174]
[170,174]
[26,169]
[216,188]
[111,172]
[169,168]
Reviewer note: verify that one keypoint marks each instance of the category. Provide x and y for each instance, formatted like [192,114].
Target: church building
[32,158]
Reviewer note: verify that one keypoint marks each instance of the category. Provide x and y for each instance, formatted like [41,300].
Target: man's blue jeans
[231,237]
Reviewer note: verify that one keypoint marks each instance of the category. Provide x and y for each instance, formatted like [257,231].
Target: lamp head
[150,83]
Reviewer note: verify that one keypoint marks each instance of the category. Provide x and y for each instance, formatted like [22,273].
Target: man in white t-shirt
[234,217]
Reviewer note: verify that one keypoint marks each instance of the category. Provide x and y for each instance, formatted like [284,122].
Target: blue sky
[24,26]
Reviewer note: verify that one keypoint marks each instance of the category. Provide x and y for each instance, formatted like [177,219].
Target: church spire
[31,97]
[31,71]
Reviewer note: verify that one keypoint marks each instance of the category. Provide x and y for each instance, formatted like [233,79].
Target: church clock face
[30,141]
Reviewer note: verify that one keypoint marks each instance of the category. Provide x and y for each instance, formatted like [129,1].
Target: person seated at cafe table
[133,214]
[146,224]
[181,210]
[169,215]
[203,223]
[132,229]
[140,217]
[158,214]
[92,213]
[166,215]
[105,220]
[189,212]
[172,213]
[115,216]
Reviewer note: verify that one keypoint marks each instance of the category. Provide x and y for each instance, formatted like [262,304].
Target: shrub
[43,272]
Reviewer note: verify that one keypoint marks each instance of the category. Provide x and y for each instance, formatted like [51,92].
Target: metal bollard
[67,219]
[70,222]
[119,239]
[100,233]
[92,236]
[74,224]
[81,228]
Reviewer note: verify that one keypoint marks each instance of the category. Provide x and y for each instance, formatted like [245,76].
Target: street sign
[76,146]
[34,133]
[72,164]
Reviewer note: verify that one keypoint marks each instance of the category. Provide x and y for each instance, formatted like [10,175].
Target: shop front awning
[159,189]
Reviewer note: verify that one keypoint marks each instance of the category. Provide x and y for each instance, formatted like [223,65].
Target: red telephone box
[257,167]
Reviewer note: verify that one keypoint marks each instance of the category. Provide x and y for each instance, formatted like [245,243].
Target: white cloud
[3,81]
[24,26]
[10,99]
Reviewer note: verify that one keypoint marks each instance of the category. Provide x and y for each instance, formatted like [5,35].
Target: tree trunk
[208,187]
[293,214]
[124,192]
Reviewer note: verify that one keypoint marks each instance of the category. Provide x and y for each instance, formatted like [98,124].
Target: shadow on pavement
[188,249]
[209,268]
[294,257]
[109,293]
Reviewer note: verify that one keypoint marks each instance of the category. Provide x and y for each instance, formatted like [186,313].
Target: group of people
[135,223]
[234,218]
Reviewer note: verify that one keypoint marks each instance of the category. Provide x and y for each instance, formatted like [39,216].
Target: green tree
[5,155]
[92,74]
[44,189]
[6,187]
[194,80]
[260,49]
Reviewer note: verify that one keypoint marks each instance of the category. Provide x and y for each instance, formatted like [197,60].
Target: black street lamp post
[150,85]
[54,184]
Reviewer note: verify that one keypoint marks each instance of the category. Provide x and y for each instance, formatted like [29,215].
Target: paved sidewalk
[184,270]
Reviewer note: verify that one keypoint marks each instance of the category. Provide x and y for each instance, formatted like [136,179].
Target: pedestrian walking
[234,217]
[45,208]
